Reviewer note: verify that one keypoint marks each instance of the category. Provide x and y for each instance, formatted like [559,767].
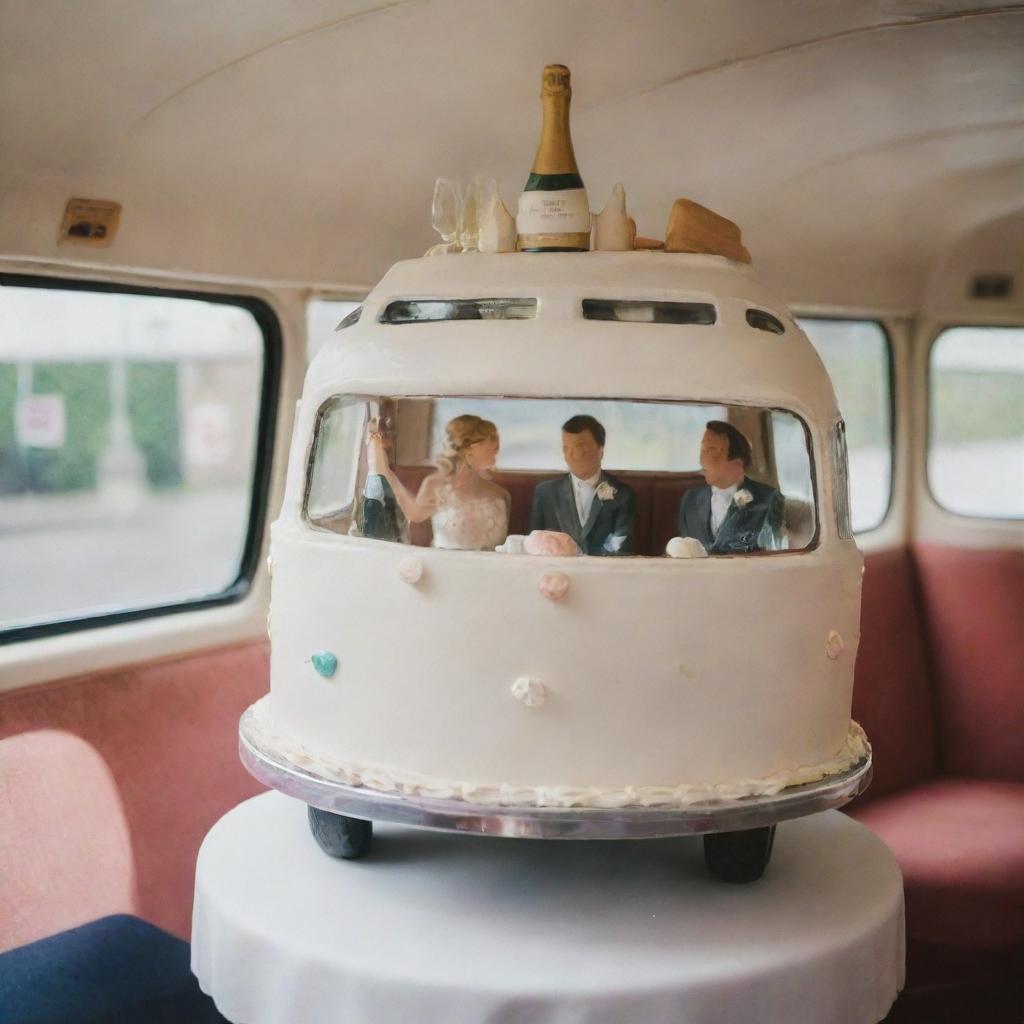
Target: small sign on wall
[39,421]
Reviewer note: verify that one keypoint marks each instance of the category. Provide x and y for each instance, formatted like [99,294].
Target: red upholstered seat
[892,697]
[960,844]
[940,691]
[973,604]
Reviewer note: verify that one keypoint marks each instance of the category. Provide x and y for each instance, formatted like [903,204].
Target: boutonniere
[741,499]
[605,491]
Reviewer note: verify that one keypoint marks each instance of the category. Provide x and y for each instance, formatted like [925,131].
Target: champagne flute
[469,227]
[445,211]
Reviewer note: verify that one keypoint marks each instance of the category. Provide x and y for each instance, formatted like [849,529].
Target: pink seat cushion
[960,844]
[115,778]
[65,841]
[974,616]
[891,695]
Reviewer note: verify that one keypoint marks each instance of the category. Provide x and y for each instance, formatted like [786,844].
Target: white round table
[438,927]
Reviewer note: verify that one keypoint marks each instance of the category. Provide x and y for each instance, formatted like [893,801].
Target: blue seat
[117,970]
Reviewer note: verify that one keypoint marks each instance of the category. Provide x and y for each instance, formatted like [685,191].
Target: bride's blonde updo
[461,433]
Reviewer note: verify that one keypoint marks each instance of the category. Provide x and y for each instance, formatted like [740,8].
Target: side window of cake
[135,439]
[858,357]
[337,456]
[563,477]
[840,482]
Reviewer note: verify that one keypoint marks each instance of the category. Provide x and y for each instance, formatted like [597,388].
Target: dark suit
[755,527]
[609,527]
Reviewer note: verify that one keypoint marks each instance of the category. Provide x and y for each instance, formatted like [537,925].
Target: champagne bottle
[554,215]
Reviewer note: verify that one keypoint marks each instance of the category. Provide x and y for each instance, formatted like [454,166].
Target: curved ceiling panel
[300,142]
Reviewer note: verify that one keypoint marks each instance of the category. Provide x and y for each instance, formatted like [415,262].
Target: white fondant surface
[441,928]
[656,673]
[387,778]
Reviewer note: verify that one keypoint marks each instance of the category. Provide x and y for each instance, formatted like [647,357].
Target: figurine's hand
[376,455]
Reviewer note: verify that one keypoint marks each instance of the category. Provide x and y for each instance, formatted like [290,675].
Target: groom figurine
[732,514]
[595,509]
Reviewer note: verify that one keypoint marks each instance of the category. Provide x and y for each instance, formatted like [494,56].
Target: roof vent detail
[649,311]
[352,318]
[764,321]
[418,311]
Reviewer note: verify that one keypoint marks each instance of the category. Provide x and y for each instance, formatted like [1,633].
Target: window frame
[270,328]
[929,424]
[890,379]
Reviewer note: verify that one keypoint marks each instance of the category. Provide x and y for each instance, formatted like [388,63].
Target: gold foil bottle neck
[555,81]
[554,153]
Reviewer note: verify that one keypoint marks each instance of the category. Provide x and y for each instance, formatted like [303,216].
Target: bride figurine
[466,510]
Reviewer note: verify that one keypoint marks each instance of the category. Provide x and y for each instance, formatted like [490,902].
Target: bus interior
[193,197]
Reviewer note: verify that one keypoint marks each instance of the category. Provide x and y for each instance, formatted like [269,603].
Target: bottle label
[543,213]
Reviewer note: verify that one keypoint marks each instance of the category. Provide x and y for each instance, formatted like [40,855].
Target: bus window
[856,354]
[976,421]
[130,481]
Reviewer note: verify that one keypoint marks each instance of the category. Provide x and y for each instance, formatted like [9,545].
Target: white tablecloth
[435,927]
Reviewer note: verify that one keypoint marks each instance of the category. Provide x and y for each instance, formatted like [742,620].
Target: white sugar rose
[410,570]
[605,491]
[685,547]
[530,691]
[743,498]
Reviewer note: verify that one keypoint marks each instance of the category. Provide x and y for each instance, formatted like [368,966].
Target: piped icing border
[270,737]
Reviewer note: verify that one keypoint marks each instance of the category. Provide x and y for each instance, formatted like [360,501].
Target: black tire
[338,835]
[738,856]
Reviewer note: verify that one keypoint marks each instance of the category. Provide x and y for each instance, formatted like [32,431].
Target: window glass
[615,477]
[417,311]
[764,321]
[856,355]
[323,317]
[976,429]
[840,482]
[649,311]
[333,480]
[790,448]
[643,435]
[128,440]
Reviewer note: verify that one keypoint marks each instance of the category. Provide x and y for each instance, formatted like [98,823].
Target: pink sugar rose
[554,585]
[550,542]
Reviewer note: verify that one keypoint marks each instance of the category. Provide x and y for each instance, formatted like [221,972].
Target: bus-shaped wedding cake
[520,636]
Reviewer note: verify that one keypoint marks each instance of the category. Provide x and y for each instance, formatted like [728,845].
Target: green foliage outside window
[153,412]
[86,391]
[152,399]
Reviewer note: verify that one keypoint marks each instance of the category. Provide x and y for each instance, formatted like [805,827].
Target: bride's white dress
[469,524]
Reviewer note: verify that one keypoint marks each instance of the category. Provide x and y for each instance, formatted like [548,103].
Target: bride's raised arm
[415,508]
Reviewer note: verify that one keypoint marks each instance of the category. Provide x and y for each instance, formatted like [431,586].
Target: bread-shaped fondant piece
[695,228]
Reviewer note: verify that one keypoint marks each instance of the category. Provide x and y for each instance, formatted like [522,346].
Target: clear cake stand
[737,833]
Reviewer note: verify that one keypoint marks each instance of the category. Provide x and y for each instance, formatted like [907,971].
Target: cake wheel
[738,856]
[339,835]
